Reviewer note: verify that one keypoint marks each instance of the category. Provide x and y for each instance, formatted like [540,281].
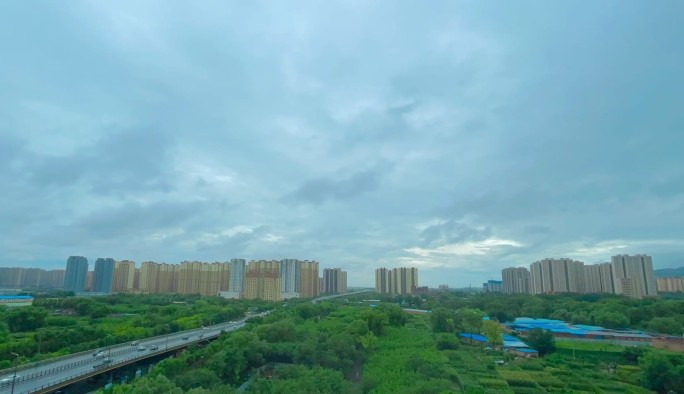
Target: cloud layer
[459,138]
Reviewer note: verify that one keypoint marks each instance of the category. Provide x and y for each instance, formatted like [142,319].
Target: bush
[446,341]
[493,383]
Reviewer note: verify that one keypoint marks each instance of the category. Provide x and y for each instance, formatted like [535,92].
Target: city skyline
[460,138]
[521,283]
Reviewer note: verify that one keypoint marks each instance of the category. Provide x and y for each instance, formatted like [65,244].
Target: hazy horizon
[460,138]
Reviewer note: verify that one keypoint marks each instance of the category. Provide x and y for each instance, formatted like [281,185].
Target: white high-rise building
[236,287]
[599,278]
[516,280]
[290,278]
[557,276]
[633,275]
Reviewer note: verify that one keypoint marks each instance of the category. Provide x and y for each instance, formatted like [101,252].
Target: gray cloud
[318,191]
[457,138]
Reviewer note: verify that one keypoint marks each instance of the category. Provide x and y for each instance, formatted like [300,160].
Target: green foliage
[149,385]
[376,321]
[469,320]
[26,318]
[493,331]
[445,341]
[661,374]
[395,315]
[196,378]
[299,379]
[542,341]
[58,326]
[665,325]
[442,320]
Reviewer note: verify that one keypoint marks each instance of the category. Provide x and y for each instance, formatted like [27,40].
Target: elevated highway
[49,375]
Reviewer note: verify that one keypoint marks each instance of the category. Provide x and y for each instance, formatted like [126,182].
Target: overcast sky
[456,137]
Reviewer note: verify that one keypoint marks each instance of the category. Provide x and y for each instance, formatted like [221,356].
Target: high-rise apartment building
[124,276]
[557,276]
[599,278]
[670,285]
[396,281]
[492,286]
[237,279]
[10,278]
[290,278]
[634,275]
[28,278]
[103,281]
[262,280]
[159,278]
[76,274]
[383,281]
[405,280]
[516,280]
[309,279]
[203,278]
[334,281]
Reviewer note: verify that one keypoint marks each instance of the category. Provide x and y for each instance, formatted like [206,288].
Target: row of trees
[54,326]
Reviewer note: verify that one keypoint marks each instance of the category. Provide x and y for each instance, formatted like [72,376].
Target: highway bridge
[50,375]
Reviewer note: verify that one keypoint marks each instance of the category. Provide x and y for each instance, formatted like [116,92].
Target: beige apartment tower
[670,285]
[396,281]
[309,279]
[124,277]
[262,280]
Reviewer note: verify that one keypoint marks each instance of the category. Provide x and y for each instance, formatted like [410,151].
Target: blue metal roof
[516,344]
[16,298]
[527,350]
[475,337]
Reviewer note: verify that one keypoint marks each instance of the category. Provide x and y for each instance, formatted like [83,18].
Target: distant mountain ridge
[669,272]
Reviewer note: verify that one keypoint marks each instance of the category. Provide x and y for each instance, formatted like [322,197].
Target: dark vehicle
[104,363]
[154,347]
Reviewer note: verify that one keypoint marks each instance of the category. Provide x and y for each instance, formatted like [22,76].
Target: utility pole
[16,367]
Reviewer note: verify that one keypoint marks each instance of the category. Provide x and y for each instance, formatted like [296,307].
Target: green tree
[197,377]
[471,319]
[396,316]
[376,321]
[665,325]
[159,384]
[493,331]
[542,341]
[611,319]
[442,320]
[26,319]
[657,372]
[446,341]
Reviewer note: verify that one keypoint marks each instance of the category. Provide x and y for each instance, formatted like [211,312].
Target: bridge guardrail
[10,371]
[109,367]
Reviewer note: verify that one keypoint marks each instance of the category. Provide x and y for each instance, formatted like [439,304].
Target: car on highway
[104,363]
[141,348]
[98,352]
[135,343]
[154,347]
[185,338]
[8,380]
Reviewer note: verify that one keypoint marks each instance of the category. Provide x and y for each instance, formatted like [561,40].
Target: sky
[459,138]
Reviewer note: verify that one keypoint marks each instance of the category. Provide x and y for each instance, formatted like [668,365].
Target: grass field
[591,346]
[470,369]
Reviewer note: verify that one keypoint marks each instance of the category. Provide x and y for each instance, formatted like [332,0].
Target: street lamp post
[16,367]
